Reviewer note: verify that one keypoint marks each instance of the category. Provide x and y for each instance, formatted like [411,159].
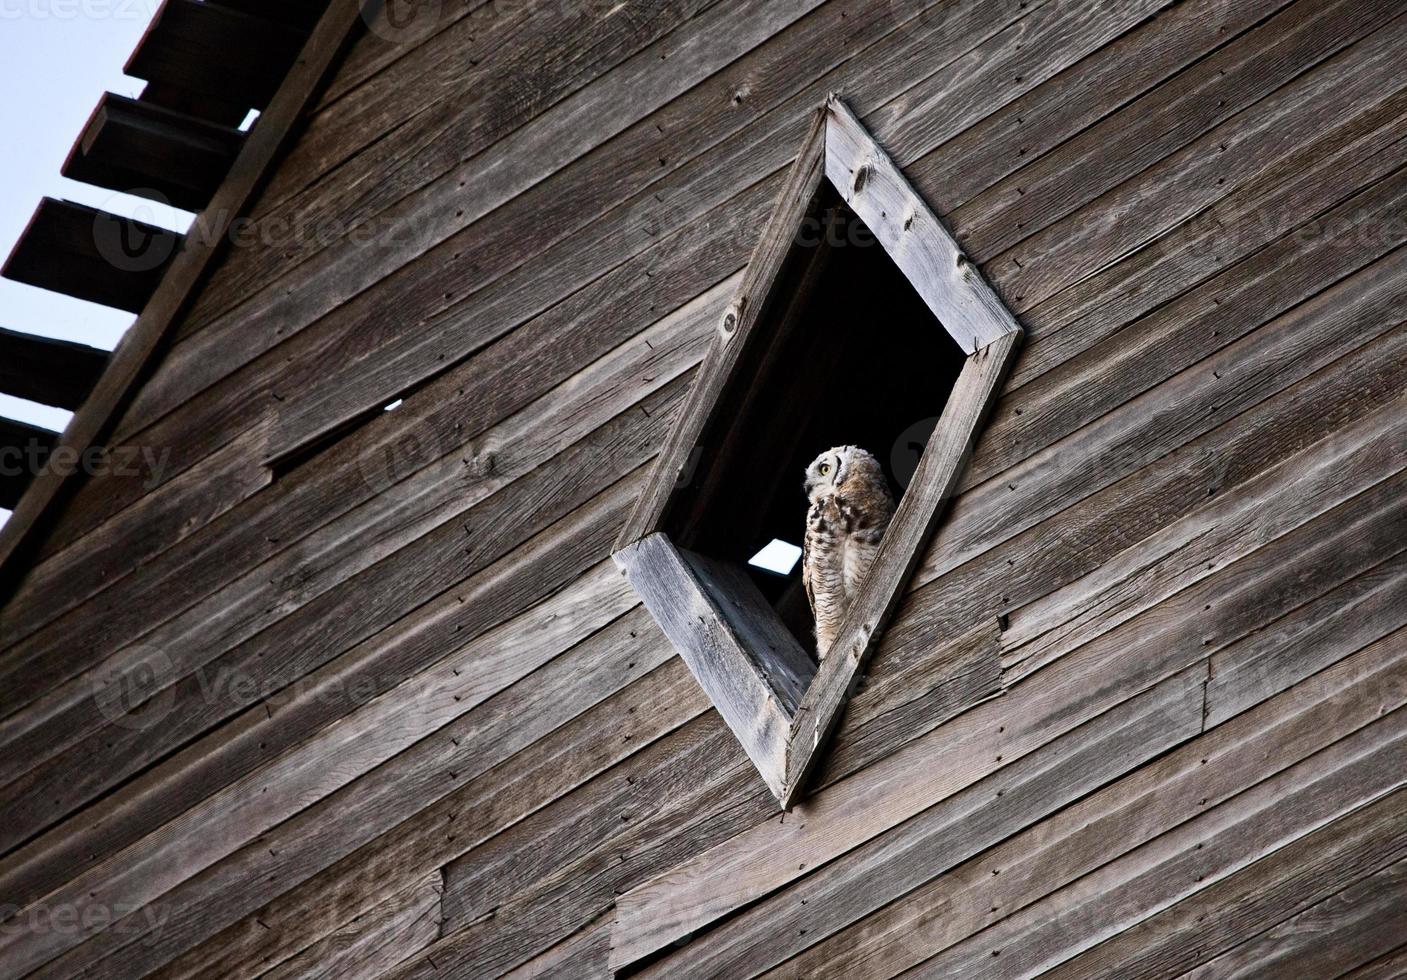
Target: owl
[850,507]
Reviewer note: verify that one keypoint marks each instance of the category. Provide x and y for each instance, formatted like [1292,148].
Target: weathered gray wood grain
[424,508]
[374,941]
[1317,174]
[1296,646]
[1049,854]
[343,861]
[1227,528]
[938,838]
[1307,872]
[401,128]
[948,281]
[474,187]
[694,618]
[1211,847]
[547,907]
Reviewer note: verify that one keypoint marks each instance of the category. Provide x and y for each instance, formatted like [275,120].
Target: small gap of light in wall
[4,516]
[249,118]
[394,405]
[778,557]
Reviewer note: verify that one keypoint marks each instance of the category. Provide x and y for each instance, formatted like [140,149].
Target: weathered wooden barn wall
[338,691]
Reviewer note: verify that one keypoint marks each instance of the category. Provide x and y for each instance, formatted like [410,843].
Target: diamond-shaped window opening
[831,340]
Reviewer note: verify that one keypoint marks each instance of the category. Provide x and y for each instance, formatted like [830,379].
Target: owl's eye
[825,469]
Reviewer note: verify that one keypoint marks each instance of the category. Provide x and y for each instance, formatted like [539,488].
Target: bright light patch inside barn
[778,557]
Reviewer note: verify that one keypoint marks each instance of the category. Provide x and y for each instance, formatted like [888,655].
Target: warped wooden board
[448,769]
[1204,394]
[1161,122]
[426,702]
[720,802]
[473,188]
[1179,187]
[425,349]
[1045,856]
[157,521]
[403,581]
[1248,670]
[612,708]
[1187,550]
[583,954]
[917,56]
[732,794]
[1383,968]
[1294,268]
[515,582]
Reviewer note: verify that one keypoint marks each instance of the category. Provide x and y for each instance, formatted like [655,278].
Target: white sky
[57,57]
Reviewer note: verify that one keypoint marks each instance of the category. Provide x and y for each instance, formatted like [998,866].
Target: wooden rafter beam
[51,372]
[23,450]
[151,151]
[93,422]
[93,255]
[207,48]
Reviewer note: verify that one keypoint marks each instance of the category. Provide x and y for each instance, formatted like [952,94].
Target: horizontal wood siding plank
[1049,854]
[1308,871]
[1211,847]
[1346,929]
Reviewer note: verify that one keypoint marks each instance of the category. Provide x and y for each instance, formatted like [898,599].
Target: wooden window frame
[743,656]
